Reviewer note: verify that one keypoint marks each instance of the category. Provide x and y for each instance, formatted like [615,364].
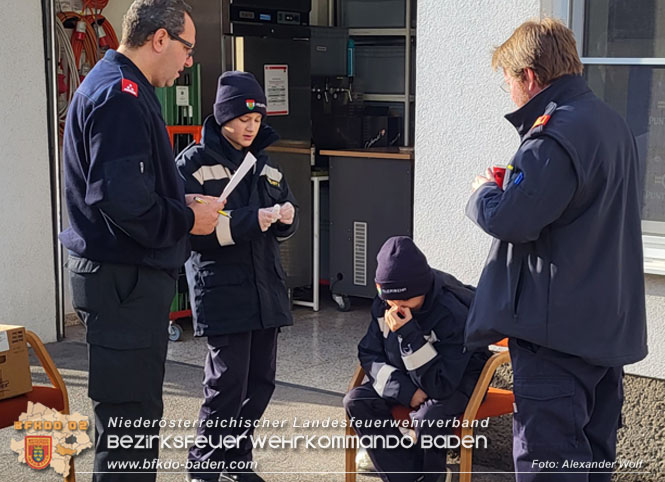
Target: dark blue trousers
[403,464]
[125,309]
[238,381]
[567,410]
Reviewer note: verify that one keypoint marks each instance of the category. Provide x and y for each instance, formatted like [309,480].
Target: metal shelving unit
[408,34]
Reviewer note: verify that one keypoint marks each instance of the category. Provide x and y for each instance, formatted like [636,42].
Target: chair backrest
[53,397]
[49,366]
[483,396]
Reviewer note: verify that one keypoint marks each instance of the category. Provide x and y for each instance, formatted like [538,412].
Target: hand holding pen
[212,199]
[206,213]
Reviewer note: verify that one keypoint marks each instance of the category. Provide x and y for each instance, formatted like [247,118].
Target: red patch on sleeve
[130,87]
[541,121]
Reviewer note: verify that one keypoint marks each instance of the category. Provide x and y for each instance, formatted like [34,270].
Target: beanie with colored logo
[238,93]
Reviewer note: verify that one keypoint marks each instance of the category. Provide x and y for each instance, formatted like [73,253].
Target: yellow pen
[222,212]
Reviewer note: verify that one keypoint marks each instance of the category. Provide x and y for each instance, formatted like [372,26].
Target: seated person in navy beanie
[414,355]
[235,276]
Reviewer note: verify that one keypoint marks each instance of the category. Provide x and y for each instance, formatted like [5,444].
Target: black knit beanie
[238,93]
[402,271]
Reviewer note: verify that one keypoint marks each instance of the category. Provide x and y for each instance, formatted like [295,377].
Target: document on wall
[244,168]
[277,89]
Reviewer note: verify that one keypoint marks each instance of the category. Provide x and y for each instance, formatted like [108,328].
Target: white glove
[287,213]
[267,217]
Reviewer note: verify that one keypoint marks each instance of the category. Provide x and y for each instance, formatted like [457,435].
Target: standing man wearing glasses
[564,278]
[130,221]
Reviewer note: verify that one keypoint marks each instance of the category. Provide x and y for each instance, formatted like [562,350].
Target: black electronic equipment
[278,18]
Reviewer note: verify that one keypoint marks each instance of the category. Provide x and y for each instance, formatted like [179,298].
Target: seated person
[414,355]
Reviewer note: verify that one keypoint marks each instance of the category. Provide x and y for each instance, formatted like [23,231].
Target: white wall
[654,364]
[460,131]
[459,126]
[27,279]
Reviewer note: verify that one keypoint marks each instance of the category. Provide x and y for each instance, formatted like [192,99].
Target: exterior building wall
[27,277]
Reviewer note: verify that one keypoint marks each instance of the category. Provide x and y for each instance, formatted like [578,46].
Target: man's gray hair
[145,17]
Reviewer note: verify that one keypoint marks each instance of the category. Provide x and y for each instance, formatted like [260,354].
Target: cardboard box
[15,376]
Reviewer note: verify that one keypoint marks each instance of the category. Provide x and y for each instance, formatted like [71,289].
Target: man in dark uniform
[414,355]
[129,224]
[235,276]
[564,276]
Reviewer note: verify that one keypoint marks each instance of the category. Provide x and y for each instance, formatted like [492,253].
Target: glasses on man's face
[505,86]
[189,45]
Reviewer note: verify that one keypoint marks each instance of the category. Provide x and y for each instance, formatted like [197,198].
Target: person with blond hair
[564,277]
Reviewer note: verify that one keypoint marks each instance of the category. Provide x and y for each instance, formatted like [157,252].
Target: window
[622,46]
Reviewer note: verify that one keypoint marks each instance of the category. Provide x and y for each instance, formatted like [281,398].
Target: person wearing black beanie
[235,276]
[402,271]
[238,93]
[413,355]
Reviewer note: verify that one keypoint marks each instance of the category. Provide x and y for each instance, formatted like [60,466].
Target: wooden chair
[54,397]
[485,402]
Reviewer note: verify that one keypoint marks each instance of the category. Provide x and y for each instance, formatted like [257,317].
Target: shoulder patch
[130,87]
[273,175]
[541,121]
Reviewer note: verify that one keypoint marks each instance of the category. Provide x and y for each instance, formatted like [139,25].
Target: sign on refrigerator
[277,89]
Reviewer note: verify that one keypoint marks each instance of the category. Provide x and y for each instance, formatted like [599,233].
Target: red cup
[499,174]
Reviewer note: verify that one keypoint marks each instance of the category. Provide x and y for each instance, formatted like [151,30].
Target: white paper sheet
[244,168]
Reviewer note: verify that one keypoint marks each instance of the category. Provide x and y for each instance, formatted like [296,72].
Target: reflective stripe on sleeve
[382,378]
[418,358]
[223,231]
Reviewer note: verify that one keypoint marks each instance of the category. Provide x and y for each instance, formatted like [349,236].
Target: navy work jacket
[427,352]
[235,276]
[126,203]
[565,269]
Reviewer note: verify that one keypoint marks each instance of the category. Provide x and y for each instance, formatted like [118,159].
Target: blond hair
[545,46]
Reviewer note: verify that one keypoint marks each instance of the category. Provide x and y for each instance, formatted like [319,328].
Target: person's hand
[397,317]
[206,212]
[267,216]
[286,213]
[418,398]
[480,180]
[203,199]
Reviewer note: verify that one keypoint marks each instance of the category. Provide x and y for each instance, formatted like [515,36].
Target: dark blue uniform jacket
[427,352]
[126,203]
[565,269]
[235,276]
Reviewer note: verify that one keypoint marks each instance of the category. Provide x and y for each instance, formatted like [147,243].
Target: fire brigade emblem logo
[38,451]
[49,439]
[250,103]
[130,87]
